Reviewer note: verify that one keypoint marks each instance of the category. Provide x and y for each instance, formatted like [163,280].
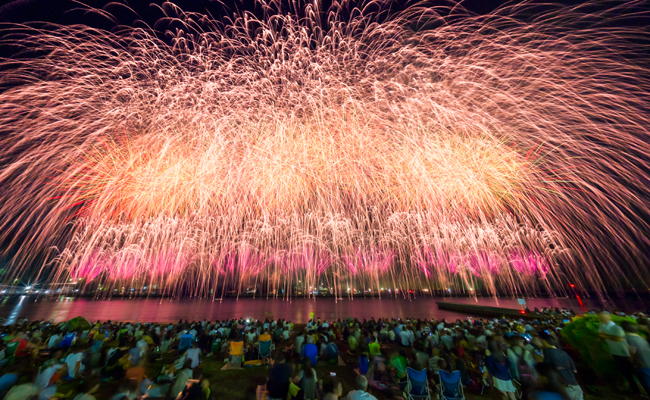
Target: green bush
[582,335]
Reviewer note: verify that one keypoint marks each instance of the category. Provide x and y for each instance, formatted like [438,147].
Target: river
[296,310]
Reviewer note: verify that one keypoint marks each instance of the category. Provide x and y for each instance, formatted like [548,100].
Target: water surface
[296,310]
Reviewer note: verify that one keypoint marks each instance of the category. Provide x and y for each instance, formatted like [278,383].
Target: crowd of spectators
[508,358]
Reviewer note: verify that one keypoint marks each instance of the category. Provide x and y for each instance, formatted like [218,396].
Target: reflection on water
[298,310]
[15,310]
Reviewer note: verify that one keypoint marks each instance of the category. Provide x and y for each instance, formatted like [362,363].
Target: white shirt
[404,336]
[142,346]
[411,336]
[448,341]
[193,354]
[43,379]
[299,341]
[641,347]
[72,360]
[54,340]
[616,348]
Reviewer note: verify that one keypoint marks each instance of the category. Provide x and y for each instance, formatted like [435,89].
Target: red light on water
[523,312]
[572,285]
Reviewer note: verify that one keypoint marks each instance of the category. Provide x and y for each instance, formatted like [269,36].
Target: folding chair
[67,341]
[265,350]
[186,342]
[417,386]
[451,388]
[236,352]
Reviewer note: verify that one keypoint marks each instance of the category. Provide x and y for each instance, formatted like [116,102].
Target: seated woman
[307,380]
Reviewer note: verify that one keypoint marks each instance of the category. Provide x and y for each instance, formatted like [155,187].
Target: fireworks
[427,147]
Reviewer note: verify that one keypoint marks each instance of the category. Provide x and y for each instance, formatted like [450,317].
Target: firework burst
[423,148]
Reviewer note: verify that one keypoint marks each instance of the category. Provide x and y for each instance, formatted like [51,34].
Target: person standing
[615,338]
[560,360]
[640,353]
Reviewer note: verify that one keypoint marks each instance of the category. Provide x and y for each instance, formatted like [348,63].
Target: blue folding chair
[451,388]
[265,350]
[186,342]
[417,386]
[67,340]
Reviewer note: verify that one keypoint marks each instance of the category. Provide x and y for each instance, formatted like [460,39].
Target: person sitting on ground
[332,353]
[194,354]
[421,356]
[353,343]
[279,378]
[277,333]
[166,344]
[310,350]
[75,361]
[434,365]
[182,377]
[299,342]
[362,390]
[308,380]
[250,337]
[447,340]
[332,389]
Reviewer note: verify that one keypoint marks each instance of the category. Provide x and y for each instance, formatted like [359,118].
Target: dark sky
[63,11]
